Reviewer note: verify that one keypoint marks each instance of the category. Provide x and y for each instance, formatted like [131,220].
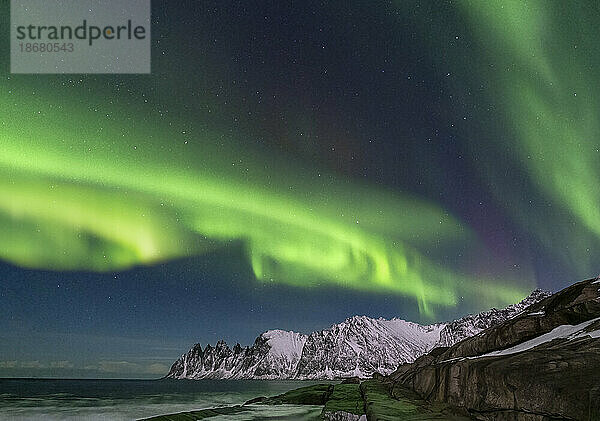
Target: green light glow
[538,62]
[79,192]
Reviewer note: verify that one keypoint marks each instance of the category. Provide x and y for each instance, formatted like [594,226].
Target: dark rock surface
[405,405]
[346,399]
[374,398]
[551,377]
[317,394]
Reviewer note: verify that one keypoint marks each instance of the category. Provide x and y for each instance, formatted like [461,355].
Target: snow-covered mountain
[359,346]
[274,355]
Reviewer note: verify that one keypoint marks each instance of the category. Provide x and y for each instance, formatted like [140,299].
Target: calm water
[49,399]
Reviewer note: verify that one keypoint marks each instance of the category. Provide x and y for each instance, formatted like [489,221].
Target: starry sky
[291,164]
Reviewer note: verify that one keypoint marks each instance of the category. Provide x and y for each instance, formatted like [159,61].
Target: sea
[60,399]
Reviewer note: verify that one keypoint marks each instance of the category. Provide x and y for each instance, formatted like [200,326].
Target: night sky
[291,164]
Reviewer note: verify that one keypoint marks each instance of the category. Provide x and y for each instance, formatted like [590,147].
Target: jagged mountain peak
[360,319]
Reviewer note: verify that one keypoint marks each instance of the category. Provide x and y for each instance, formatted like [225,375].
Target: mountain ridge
[357,347]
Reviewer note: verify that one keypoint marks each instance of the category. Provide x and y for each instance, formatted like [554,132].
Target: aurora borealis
[537,61]
[77,208]
[415,160]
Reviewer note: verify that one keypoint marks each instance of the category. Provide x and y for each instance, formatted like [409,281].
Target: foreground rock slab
[248,412]
[369,400]
[382,405]
[542,365]
[198,415]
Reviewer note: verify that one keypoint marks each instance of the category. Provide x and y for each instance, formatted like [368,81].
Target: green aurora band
[538,63]
[526,75]
[73,197]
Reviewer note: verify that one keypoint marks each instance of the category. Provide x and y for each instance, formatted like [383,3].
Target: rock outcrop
[472,324]
[543,364]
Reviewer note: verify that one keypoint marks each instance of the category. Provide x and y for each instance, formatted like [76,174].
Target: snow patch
[595,334]
[284,343]
[561,332]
